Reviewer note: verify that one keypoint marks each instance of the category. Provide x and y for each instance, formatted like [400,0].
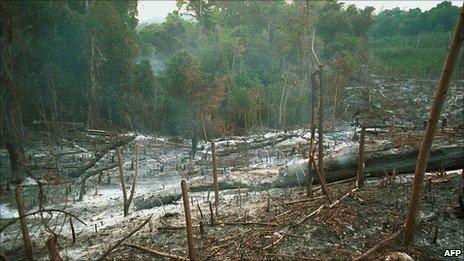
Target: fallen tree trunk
[379,163]
[99,154]
[155,201]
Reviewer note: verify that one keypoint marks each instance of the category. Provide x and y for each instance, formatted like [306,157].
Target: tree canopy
[214,66]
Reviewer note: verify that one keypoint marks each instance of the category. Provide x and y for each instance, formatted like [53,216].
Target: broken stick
[112,247]
[379,245]
[154,252]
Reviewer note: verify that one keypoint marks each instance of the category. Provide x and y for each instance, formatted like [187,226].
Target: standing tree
[11,117]
[427,141]
[127,200]
[320,122]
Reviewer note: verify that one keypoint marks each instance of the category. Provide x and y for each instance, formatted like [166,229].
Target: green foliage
[46,48]
[224,70]
[441,18]
[54,45]
[109,23]
[412,43]
[408,58]
[196,95]
[168,37]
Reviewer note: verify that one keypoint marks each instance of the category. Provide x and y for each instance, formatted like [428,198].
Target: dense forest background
[213,68]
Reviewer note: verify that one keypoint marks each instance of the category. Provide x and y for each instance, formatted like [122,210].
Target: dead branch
[176,227]
[283,214]
[303,200]
[115,245]
[99,154]
[274,243]
[94,172]
[290,257]
[366,254]
[88,174]
[248,224]
[310,215]
[38,212]
[224,224]
[317,189]
[349,193]
[156,253]
[323,206]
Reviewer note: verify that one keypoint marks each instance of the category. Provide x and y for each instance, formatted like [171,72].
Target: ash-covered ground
[261,181]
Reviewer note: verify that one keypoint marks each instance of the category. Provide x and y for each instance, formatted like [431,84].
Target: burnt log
[377,164]
[142,202]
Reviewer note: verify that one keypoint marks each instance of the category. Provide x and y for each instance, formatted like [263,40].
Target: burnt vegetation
[232,130]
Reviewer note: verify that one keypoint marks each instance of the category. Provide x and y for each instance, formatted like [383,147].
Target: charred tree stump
[41,195]
[360,174]
[127,200]
[72,230]
[211,214]
[215,175]
[199,210]
[23,222]
[188,220]
[52,247]
[202,228]
[122,180]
